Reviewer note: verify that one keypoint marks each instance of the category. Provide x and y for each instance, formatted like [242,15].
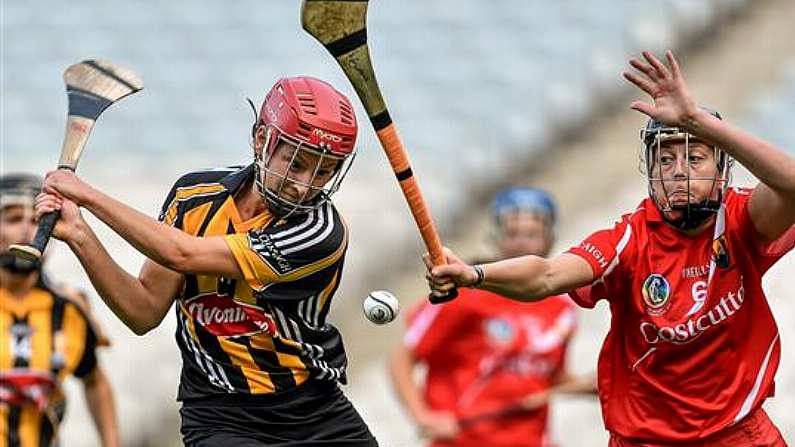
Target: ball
[381,307]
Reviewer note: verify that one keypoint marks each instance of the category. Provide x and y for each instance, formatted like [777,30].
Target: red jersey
[484,352]
[693,347]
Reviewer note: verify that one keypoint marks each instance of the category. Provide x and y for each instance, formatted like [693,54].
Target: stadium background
[485,94]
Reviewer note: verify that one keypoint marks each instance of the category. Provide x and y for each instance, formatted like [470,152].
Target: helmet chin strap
[693,215]
[17,265]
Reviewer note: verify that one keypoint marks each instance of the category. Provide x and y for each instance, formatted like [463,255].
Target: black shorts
[320,415]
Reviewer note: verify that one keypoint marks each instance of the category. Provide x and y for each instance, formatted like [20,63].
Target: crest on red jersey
[500,331]
[656,294]
[720,252]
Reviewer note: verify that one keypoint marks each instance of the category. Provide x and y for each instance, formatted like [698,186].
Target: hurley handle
[34,251]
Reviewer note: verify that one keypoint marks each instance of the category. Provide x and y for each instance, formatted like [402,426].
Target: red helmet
[312,112]
[311,116]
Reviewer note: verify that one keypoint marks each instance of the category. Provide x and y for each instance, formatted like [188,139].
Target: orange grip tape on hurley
[411,191]
[399,161]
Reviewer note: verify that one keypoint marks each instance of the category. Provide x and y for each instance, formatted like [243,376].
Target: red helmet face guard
[694,212]
[314,195]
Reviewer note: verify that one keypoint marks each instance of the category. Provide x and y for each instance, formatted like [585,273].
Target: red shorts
[756,430]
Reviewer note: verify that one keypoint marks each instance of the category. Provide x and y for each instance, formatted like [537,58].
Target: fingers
[661,69]
[47,203]
[654,70]
[646,69]
[675,71]
[643,84]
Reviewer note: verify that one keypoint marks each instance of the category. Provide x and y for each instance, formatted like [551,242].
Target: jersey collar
[650,208]
[235,180]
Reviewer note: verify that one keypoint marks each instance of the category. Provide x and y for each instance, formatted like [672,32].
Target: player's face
[298,175]
[684,176]
[523,233]
[17,226]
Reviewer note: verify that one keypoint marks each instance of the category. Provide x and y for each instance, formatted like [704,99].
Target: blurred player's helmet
[527,200]
[693,213]
[18,189]
[309,115]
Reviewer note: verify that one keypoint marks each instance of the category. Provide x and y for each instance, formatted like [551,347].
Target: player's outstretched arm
[161,243]
[772,204]
[526,278]
[140,303]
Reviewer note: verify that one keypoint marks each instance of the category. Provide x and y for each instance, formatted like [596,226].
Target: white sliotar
[381,307]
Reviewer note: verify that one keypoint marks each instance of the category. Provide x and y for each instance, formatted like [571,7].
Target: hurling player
[252,256]
[693,347]
[511,352]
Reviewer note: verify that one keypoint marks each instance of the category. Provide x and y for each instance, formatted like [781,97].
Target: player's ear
[258,138]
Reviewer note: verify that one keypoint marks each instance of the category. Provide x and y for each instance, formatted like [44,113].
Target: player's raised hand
[65,183]
[671,101]
[444,278]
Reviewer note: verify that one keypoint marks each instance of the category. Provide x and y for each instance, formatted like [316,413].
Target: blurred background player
[253,256]
[693,347]
[485,354]
[46,335]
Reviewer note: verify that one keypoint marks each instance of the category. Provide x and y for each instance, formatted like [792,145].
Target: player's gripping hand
[69,226]
[444,278]
[672,102]
[66,184]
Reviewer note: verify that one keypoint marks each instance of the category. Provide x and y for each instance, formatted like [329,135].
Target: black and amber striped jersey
[268,333]
[45,336]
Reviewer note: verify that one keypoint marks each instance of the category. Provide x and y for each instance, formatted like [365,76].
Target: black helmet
[652,136]
[19,189]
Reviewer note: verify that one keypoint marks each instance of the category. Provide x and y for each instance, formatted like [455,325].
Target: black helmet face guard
[314,196]
[693,213]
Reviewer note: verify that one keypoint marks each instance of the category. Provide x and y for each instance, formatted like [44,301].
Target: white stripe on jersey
[204,361]
[420,326]
[317,225]
[316,310]
[307,310]
[622,244]
[200,185]
[284,325]
[720,228]
[557,334]
[310,217]
[225,169]
[751,398]
[320,238]
[196,196]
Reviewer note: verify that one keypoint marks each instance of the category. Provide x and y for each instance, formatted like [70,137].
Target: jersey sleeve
[305,251]
[192,184]
[603,251]
[768,253]
[430,327]
[169,209]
